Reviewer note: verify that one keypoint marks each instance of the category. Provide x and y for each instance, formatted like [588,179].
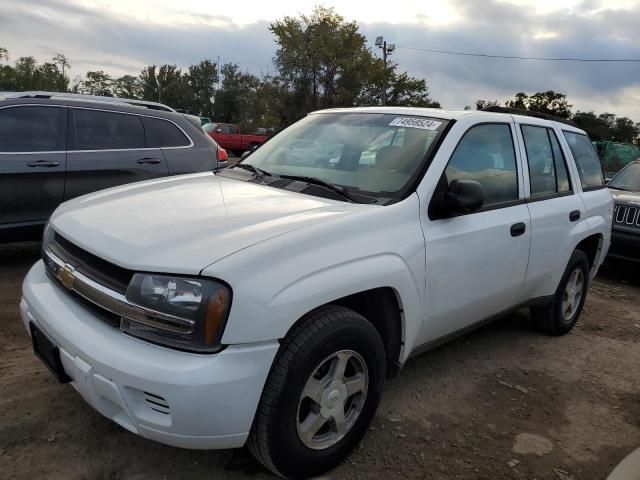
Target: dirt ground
[502,402]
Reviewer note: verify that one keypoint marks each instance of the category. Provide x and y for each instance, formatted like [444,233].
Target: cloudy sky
[121,36]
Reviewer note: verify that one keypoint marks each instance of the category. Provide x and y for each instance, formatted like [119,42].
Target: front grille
[626,215]
[105,273]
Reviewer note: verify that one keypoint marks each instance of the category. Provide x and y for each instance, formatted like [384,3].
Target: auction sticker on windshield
[413,122]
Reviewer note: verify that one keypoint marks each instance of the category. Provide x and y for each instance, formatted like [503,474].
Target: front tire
[321,394]
[560,316]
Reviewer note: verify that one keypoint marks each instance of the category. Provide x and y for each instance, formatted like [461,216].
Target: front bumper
[182,399]
[625,244]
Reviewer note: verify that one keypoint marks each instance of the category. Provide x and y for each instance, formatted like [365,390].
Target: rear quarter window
[586,159]
[168,134]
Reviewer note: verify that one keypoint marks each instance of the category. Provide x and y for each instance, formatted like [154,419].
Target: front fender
[277,282]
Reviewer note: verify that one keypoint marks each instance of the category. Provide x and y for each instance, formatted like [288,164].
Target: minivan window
[99,130]
[586,159]
[31,129]
[486,154]
[167,134]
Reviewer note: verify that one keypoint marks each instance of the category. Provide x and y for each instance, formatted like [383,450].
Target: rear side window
[486,154]
[98,130]
[547,169]
[586,159]
[167,134]
[31,129]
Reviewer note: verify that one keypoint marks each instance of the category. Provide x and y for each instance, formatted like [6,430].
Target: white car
[267,303]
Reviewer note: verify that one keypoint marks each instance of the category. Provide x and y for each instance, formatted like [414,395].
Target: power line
[517,57]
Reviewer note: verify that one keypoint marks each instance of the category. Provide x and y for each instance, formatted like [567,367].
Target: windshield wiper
[257,172]
[329,186]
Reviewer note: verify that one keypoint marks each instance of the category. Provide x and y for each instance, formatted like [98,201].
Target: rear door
[108,148]
[554,204]
[190,152]
[32,163]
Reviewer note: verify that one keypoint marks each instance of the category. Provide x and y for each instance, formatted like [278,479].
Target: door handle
[43,163]
[574,216]
[518,229]
[148,161]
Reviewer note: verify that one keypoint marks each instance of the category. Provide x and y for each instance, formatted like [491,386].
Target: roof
[87,98]
[521,115]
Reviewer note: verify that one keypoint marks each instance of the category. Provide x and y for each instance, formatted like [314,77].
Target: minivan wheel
[321,394]
[563,312]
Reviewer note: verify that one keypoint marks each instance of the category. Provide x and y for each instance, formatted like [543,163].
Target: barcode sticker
[415,122]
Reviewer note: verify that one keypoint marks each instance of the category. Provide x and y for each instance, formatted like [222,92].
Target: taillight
[223,156]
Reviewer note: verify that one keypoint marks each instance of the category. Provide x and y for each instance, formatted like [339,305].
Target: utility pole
[386,51]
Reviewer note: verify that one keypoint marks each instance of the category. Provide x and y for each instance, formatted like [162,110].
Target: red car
[228,136]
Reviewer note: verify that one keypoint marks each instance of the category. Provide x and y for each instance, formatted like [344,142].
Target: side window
[542,171]
[562,174]
[486,154]
[234,129]
[167,134]
[99,130]
[31,129]
[586,159]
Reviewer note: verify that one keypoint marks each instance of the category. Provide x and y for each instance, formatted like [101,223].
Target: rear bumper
[625,245]
[177,398]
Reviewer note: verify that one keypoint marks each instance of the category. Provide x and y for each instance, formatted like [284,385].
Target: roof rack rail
[89,98]
[529,113]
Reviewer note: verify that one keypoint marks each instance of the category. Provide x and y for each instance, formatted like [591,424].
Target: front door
[32,165]
[477,262]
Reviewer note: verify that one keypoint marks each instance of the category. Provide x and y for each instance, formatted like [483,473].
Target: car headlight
[188,313]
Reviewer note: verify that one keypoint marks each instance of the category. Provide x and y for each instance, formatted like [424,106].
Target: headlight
[188,313]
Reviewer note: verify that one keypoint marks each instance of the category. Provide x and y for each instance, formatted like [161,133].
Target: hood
[620,196]
[182,224]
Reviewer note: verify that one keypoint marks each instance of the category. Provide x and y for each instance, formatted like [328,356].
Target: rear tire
[560,316]
[332,361]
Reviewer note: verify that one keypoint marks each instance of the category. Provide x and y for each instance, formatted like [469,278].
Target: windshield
[628,178]
[377,154]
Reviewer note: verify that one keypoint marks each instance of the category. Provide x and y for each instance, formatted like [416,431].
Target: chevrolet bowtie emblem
[67,276]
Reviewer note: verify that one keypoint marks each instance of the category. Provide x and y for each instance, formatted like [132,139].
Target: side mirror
[245,154]
[464,196]
[460,196]
[219,130]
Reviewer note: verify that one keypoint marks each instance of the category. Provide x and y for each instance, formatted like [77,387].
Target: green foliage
[149,84]
[127,86]
[482,104]
[543,102]
[323,62]
[97,83]
[4,53]
[26,74]
[202,81]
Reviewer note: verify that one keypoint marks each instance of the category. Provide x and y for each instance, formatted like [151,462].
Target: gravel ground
[502,402]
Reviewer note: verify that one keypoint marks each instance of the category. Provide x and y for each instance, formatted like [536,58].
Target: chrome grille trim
[626,215]
[112,301]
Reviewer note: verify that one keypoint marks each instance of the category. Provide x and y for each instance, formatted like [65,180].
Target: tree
[97,83]
[323,61]
[4,53]
[173,88]
[202,81]
[149,84]
[25,70]
[63,64]
[543,102]
[482,104]
[127,86]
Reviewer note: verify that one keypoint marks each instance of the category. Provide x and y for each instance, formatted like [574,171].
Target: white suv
[267,303]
